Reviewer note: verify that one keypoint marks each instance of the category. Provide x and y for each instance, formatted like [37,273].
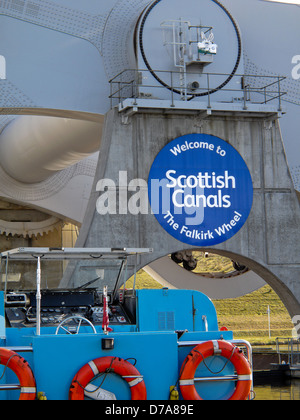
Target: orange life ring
[212,348]
[105,364]
[22,369]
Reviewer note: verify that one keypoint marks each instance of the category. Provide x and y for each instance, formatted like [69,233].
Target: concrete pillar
[269,242]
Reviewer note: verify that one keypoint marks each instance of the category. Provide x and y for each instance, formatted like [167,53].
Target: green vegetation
[246,316]
[143,281]
[212,263]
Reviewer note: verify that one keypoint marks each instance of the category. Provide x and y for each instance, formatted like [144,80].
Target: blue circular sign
[200,190]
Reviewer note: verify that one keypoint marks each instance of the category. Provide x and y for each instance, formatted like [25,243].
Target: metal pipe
[20,349]
[38,297]
[226,378]
[279,94]
[172,91]
[208,93]
[6,278]
[8,387]
[204,319]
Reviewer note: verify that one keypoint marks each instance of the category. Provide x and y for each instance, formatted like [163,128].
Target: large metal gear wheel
[30,229]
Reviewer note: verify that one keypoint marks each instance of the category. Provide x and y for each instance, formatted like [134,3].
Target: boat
[101,340]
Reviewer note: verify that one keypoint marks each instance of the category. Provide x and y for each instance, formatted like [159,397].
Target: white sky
[287,1]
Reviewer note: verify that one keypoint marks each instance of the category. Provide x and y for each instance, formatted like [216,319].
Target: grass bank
[247,316]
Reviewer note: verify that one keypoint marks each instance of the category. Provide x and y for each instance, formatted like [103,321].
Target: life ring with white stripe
[105,365]
[23,372]
[215,348]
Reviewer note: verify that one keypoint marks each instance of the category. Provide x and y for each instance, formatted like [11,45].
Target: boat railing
[246,88]
[288,347]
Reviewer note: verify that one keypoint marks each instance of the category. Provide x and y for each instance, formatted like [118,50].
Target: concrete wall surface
[269,242]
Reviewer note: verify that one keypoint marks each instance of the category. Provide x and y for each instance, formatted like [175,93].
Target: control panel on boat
[20,308]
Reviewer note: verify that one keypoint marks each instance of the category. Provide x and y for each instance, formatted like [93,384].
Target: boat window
[22,275]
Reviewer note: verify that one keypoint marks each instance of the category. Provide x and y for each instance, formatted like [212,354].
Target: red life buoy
[106,364]
[212,348]
[21,368]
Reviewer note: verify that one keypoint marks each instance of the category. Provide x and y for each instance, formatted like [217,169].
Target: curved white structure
[171,275]
[33,148]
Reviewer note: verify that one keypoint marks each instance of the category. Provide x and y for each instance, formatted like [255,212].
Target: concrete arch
[171,275]
[223,288]
[285,293]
